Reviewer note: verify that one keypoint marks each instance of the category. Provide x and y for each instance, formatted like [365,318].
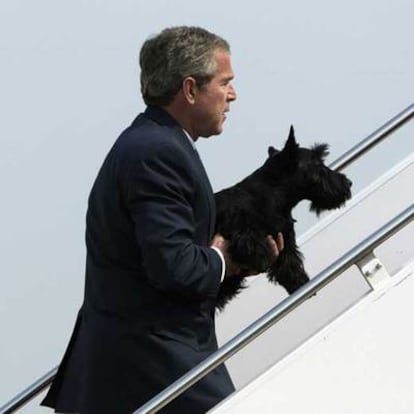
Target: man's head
[187,71]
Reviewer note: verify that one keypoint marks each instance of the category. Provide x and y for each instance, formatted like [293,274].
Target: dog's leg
[248,248]
[288,269]
[250,251]
[229,288]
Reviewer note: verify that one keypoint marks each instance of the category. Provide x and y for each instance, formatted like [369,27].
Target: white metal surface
[362,363]
[374,271]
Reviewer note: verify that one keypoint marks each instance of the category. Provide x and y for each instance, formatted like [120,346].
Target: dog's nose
[349,182]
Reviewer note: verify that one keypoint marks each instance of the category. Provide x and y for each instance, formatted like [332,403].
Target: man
[153,267]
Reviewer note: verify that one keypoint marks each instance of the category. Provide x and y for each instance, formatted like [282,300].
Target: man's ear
[189,89]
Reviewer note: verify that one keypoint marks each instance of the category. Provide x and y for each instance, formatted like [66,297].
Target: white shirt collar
[190,139]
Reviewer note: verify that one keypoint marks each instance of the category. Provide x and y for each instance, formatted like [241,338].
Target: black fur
[261,204]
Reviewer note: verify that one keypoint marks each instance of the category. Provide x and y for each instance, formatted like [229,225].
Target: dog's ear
[291,145]
[271,151]
[321,151]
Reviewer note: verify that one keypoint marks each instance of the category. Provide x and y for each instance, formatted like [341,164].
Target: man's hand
[275,246]
[233,269]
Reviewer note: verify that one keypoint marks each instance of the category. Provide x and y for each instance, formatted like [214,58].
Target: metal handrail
[373,139]
[30,392]
[350,156]
[277,313]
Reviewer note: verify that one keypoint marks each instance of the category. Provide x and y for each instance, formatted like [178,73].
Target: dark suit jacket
[151,279]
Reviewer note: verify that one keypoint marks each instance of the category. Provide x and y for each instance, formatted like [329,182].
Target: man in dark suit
[154,265]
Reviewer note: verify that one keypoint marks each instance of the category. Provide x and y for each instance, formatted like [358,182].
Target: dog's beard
[318,207]
[331,197]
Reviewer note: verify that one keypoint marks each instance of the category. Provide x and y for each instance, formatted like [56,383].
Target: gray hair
[174,54]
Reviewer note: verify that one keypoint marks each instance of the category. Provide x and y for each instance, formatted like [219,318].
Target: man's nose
[232,95]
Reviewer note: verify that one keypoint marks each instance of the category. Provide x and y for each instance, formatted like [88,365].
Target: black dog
[261,204]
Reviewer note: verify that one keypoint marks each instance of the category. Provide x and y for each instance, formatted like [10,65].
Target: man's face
[212,100]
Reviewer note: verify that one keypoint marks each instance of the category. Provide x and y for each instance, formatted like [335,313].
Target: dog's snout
[349,182]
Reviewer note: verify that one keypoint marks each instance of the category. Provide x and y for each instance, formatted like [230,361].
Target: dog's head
[303,173]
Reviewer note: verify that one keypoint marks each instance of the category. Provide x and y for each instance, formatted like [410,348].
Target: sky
[70,84]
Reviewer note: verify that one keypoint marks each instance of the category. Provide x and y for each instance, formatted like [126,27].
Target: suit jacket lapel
[210,197]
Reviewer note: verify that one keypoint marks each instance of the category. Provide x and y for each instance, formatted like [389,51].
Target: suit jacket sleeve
[161,199]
